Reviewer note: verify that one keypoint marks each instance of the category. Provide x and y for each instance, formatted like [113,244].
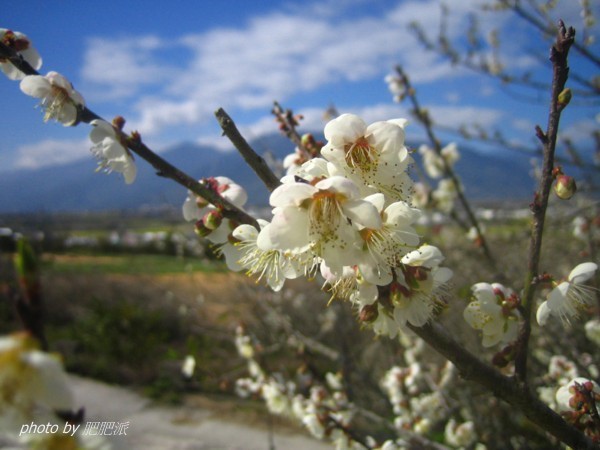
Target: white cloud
[275,56]
[455,116]
[51,152]
[120,67]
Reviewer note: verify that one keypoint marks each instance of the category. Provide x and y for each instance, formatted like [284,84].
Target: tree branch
[558,56]
[256,162]
[423,117]
[505,388]
[162,167]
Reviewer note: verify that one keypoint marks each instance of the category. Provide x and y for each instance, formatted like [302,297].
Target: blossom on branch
[209,220]
[58,97]
[322,219]
[373,156]
[423,287]
[434,164]
[494,313]
[570,297]
[22,45]
[244,252]
[111,153]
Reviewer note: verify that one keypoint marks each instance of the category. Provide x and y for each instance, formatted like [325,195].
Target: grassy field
[130,264]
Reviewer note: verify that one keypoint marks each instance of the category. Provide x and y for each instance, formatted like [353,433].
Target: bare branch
[256,162]
[559,53]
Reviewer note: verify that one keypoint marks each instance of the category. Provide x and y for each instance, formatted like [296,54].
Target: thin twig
[256,162]
[423,117]
[521,12]
[558,56]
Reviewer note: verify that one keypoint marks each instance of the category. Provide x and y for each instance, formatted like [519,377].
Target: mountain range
[78,187]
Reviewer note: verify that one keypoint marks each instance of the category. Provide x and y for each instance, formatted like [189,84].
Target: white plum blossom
[321,219]
[348,285]
[276,398]
[570,297]
[396,87]
[244,252]
[58,97]
[434,164]
[444,195]
[22,45]
[33,384]
[373,156]
[592,331]
[111,153]
[423,287]
[494,313]
[188,366]
[460,435]
[383,247]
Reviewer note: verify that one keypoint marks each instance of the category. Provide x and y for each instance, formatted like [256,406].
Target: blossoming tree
[346,211]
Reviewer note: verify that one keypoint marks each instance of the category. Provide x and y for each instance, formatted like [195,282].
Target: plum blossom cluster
[346,215]
[324,410]
[416,392]
[62,103]
[437,165]
[577,401]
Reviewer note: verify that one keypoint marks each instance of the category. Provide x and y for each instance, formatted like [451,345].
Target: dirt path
[153,427]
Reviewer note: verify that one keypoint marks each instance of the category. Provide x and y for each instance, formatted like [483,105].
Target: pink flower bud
[201,230]
[368,313]
[565,187]
[212,219]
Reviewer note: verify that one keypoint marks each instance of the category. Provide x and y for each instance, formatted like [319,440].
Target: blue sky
[166,66]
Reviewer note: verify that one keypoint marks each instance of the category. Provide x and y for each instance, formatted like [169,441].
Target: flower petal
[583,272]
[35,85]
[363,213]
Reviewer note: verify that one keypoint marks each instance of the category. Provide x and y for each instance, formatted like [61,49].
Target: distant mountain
[77,187]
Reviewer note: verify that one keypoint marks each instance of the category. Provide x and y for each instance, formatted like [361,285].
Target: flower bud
[368,313]
[119,122]
[564,97]
[212,219]
[307,140]
[201,202]
[565,187]
[201,230]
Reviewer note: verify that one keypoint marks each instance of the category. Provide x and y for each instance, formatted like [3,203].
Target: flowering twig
[287,123]
[135,144]
[558,56]
[256,162]
[425,120]
[471,368]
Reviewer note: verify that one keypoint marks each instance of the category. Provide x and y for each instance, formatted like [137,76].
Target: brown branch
[505,388]
[163,168]
[425,120]
[256,162]
[558,56]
